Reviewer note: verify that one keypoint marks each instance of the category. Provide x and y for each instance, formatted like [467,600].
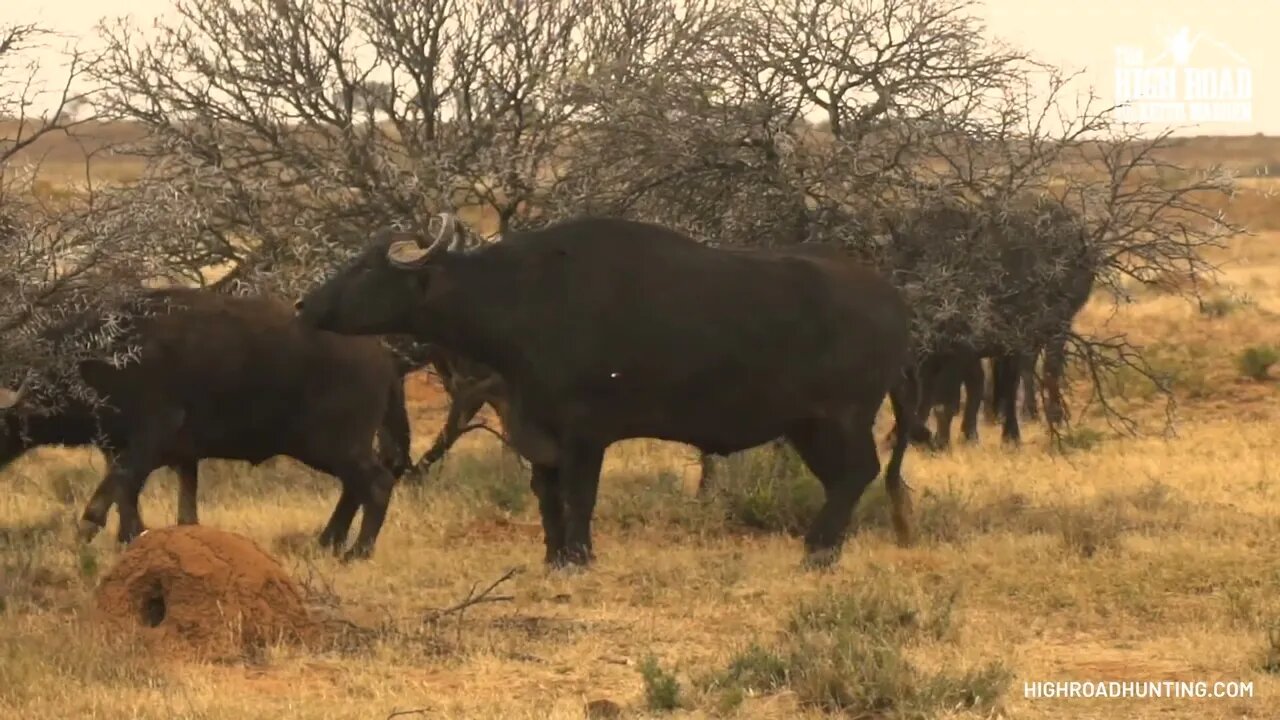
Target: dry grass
[1144,559]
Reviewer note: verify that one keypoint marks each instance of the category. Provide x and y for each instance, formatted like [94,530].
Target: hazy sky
[1080,34]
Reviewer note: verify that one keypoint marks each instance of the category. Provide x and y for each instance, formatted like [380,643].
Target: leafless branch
[475,597]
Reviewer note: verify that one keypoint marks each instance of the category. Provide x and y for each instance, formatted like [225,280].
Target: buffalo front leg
[188,489]
[545,482]
[334,535]
[128,479]
[377,484]
[462,410]
[942,419]
[843,457]
[158,423]
[579,483]
[94,516]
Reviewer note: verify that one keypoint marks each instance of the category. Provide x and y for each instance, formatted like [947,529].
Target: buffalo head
[378,292]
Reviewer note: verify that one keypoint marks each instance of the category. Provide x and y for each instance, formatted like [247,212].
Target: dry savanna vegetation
[1099,554]
[1141,559]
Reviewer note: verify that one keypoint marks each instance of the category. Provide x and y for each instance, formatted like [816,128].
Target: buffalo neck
[479,315]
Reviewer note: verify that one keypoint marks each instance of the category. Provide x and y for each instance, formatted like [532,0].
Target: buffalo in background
[1041,275]
[1001,285]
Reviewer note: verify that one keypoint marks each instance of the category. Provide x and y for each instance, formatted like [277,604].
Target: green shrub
[1255,362]
[661,688]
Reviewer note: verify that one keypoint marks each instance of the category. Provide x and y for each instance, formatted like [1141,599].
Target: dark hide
[607,329]
[233,378]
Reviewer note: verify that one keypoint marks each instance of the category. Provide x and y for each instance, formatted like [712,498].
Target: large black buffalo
[606,329]
[236,378]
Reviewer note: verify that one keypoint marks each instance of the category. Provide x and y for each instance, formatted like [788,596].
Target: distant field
[1140,559]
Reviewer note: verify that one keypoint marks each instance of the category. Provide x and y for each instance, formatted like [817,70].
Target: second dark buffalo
[237,378]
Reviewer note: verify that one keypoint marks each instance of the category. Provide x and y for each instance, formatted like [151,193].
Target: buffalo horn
[409,254]
[11,398]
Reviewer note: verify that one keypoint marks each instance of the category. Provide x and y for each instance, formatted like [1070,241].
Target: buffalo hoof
[87,530]
[416,475]
[357,552]
[327,541]
[566,559]
[821,558]
[124,537]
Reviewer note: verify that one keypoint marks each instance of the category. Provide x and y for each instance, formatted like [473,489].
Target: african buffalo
[1027,270]
[236,378]
[940,393]
[605,329]
[1027,377]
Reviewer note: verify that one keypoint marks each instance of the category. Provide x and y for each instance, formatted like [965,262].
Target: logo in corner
[1194,78]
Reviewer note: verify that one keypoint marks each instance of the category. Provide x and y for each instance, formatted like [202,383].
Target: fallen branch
[476,598]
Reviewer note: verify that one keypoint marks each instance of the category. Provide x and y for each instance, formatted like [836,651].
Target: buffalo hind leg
[931,376]
[1055,368]
[1027,375]
[895,485]
[843,457]
[545,481]
[974,381]
[947,403]
[1007,376]
[917,388]
[706,475]
[375,485]
[579,478]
